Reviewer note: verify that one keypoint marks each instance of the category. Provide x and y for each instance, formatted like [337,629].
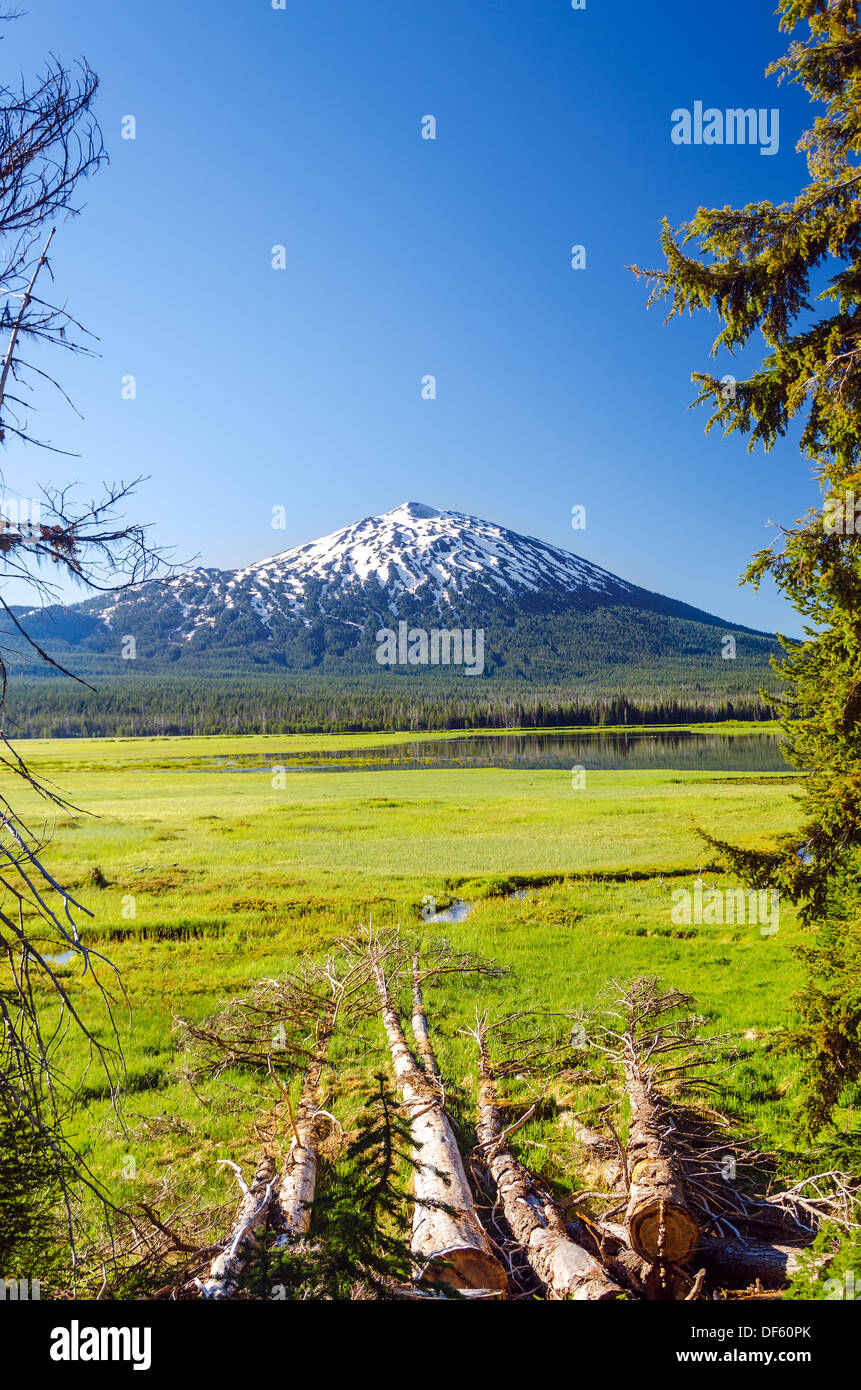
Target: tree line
[269,705]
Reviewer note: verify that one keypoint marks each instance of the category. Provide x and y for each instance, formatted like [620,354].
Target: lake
[680,751]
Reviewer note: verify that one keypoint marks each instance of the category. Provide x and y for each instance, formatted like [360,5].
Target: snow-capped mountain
[416,550]
[414,553]
[326,600]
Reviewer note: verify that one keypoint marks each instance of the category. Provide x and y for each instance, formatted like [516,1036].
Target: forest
[293,703]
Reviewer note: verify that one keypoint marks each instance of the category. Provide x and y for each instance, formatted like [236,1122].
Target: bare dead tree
[49,142]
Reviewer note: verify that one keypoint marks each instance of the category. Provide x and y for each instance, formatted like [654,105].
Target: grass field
[231,878]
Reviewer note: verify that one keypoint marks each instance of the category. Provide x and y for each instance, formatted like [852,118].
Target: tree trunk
[733,1263]
[298,1180]
[565,1268]
[661,1226]
[589,1140]
[610,1243]
[424,1047]
[738,1263]
[242,1241]
[448,1241]
[281,1202]
[600,1154]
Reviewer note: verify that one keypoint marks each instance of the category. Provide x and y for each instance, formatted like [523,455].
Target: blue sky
[406,257]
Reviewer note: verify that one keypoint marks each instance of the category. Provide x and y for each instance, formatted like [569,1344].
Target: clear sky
[301,127]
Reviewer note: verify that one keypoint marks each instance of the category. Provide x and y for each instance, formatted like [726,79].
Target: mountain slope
[544,611]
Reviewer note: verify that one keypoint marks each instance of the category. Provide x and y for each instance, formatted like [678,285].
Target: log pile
[679,1222]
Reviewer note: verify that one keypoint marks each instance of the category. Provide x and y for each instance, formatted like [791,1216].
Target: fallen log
[411,1294]
[588,1139]
[242,1243]
[610,1244]
[740,1262]
[419,1021]
[564,1267]
[659,1217]
[600,1154]
[275,1202]
[650,1281]
[298,1179]
[448,1241]
[729,1262]
[661,1226]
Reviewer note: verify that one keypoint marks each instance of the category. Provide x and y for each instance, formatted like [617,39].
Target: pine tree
[792,273]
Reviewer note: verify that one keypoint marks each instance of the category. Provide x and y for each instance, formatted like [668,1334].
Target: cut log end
[597,1295]
[465,1267]
[662,1232]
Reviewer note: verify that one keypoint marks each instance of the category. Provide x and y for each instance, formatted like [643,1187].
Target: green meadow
[218,875]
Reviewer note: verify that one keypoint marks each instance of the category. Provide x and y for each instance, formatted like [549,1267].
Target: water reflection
[62,959]
[680,751]
[458,912]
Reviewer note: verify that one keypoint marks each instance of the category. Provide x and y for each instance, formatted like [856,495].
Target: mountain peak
[413,511]
[416,553]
